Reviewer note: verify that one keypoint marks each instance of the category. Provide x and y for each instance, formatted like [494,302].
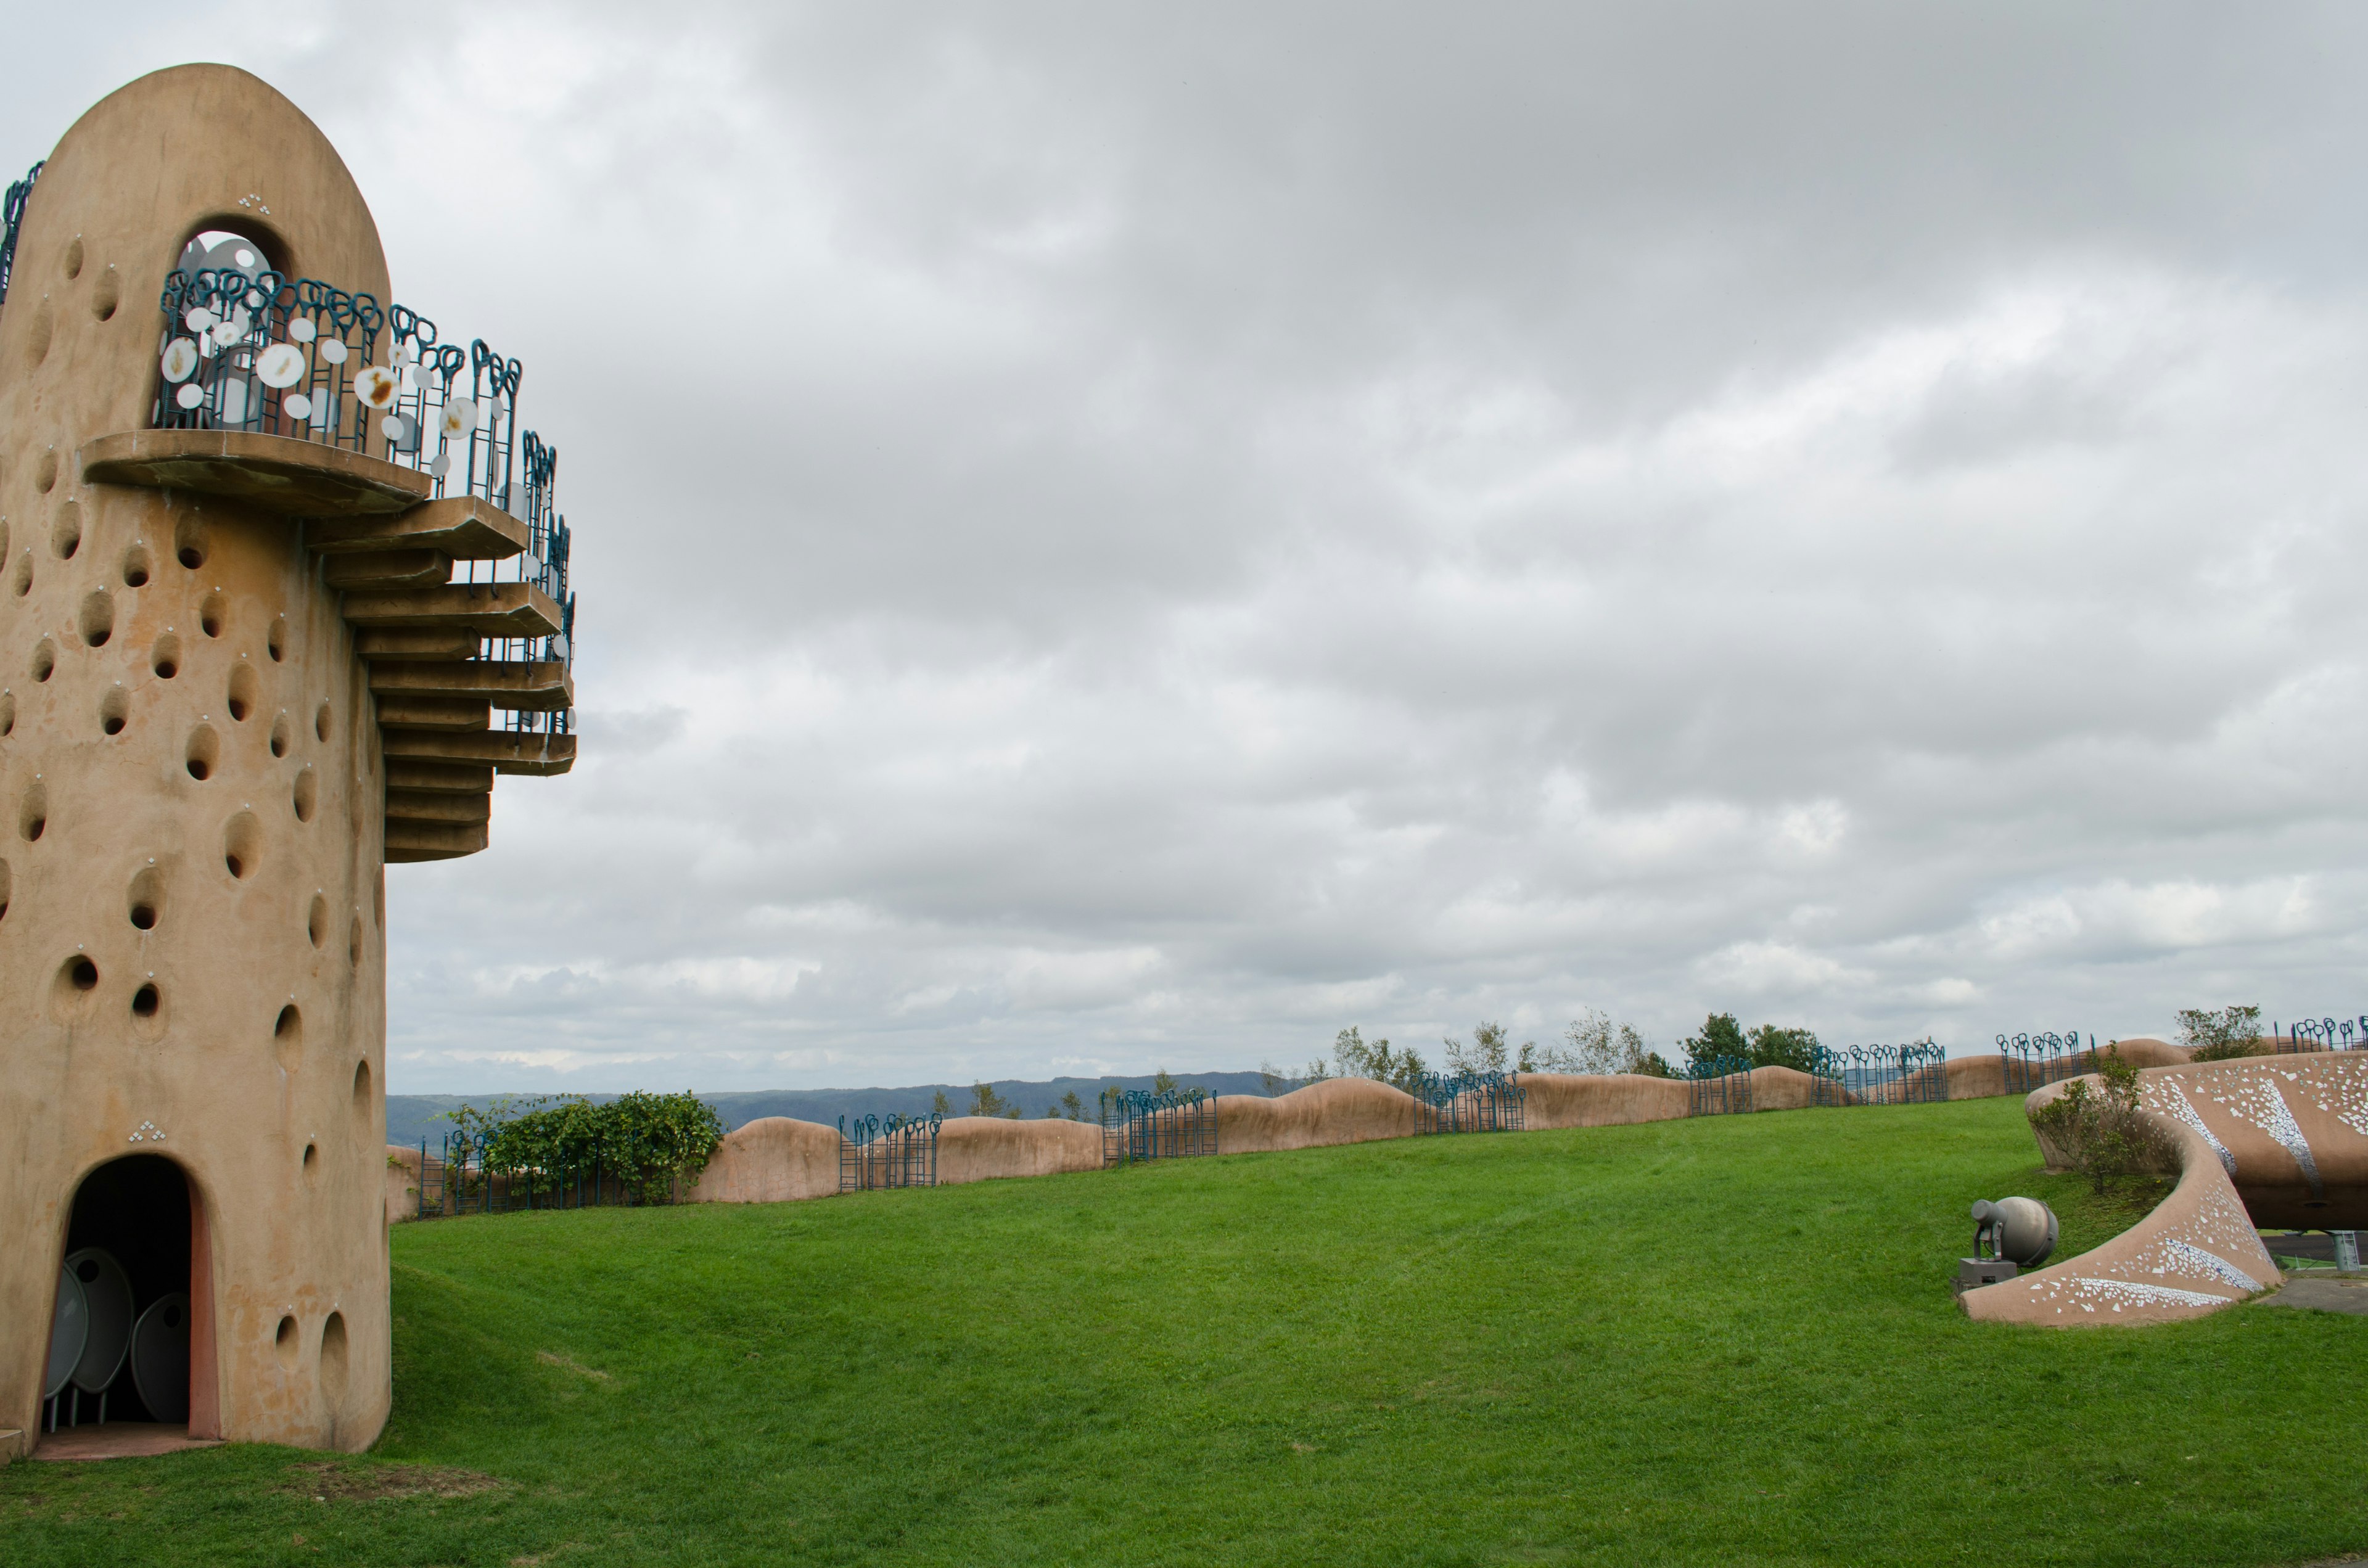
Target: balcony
[398,455]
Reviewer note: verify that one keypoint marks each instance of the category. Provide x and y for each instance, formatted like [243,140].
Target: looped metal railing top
[867,1129]
[879,1152]
[12,220]
[2032,1060]
[1721,1084]
[2326,1034]
[1157,1124]
[305,359]
[1469,1101]
[1912,1073]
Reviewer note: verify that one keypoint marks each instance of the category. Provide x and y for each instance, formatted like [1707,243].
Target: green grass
[1719,1341]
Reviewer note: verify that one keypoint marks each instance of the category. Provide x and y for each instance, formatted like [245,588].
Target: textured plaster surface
[2275,1140]
[242,657]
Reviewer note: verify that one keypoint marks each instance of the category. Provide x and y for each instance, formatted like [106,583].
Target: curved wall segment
[2275,1140]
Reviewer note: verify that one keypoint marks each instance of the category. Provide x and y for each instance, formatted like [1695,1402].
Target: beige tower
[283,590]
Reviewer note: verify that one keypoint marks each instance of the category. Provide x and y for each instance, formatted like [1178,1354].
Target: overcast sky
[1114,537]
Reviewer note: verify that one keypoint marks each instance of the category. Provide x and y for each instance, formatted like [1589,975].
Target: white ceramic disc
[301,330]
[107,1295]
[201,319]
[69,1331]
[282,365]
[190,395]
[333,349]
[375,385]
[460,417]
[180,359]
[296,405]
[160,1358]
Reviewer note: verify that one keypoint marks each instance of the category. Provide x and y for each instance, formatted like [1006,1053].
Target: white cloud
[1110,539]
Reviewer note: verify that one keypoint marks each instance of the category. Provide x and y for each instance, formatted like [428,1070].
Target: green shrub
[1774,1046]
[645,1141]
[2103,1134]
[2217,1036]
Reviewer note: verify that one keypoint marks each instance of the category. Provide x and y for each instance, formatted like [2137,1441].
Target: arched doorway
[135,1283]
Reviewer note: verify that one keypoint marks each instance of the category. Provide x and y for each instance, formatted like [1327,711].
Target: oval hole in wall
[333,1358]
[242,846]
[354,943]
[189,543]
[71,991]
[241,701]
[114,710]
[288,1038]
[8,886]
[279,734]
[317,921]
[312,1164]
[45,471]
[363,1106]
[321,721]
[143,905]
[283,1342]
[304,788]
[7,713]
[73,257]
[275,640]
[45,659]
[146,1000]
[164,658]
[65,535]
[96,623]
[209,615]
[205,749]
[33,811]
[23,580]
[37,348]
[136,566]
[107,294]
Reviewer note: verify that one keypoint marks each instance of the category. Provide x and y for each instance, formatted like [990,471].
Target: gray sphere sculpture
[2019,1229]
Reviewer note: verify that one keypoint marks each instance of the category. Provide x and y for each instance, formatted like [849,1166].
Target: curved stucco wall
[220,638]
[2276,1141]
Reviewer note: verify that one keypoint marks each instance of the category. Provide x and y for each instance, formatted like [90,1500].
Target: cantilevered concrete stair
[390,550]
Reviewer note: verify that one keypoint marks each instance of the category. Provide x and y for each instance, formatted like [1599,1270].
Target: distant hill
[410,1117]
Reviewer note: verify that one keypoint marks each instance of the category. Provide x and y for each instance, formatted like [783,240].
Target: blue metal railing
[896,1151]
[1139,1124]
[1914,1073]
[12,220]
[1469,1101]
[1721,1084]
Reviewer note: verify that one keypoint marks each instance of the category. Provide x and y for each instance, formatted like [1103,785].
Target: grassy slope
[1720,1341]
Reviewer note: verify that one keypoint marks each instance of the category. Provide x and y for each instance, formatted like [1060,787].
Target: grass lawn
[1719,1341]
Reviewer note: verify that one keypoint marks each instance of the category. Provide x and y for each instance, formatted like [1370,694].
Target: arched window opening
[217,250]
[119,1335]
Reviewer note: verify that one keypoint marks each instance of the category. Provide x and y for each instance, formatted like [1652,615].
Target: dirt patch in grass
[330,1481]
[568,1363]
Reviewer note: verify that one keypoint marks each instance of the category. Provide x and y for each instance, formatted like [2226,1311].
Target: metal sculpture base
[1974,1272]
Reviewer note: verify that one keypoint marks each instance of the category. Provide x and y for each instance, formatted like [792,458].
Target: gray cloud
[1118,537]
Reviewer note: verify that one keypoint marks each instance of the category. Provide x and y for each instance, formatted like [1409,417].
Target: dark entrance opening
[120,1339]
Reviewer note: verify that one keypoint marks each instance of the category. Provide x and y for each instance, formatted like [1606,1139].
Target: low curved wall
[988,1148]
[1335,1110]
[774,1159]
[2276,1141]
